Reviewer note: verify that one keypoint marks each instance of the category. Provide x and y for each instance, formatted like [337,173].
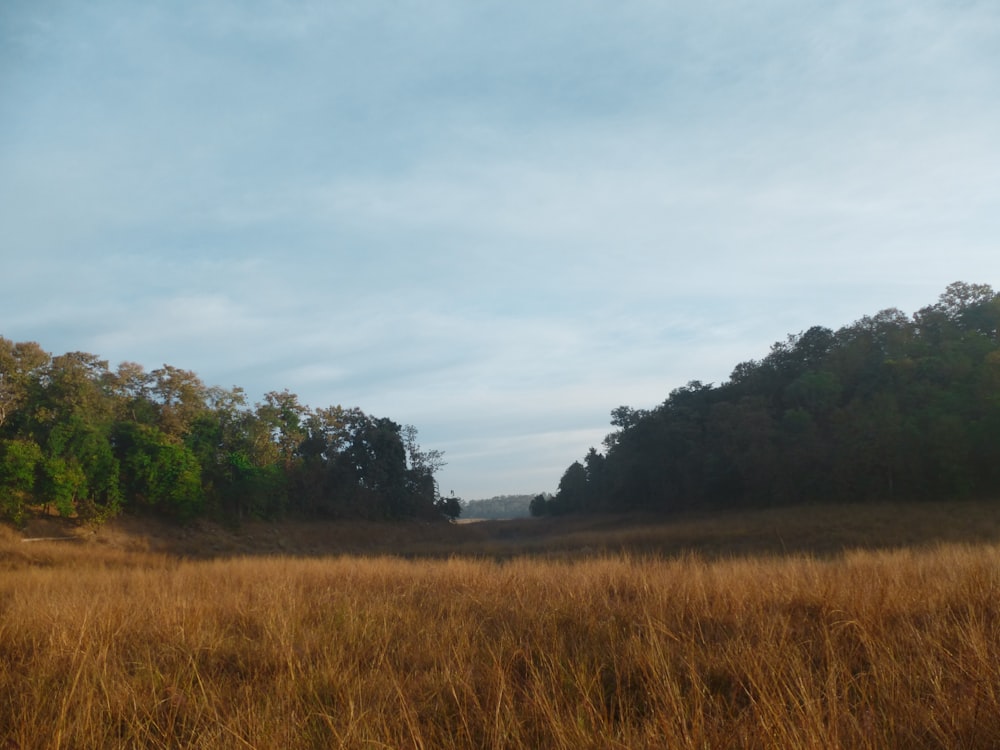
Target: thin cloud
[495,221]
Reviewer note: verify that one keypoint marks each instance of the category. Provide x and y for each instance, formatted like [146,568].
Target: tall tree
[19,462]
[180,397]
[21,364]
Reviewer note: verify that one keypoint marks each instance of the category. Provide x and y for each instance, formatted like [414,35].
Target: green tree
[598,481]
[964,303]
[889,406]
[283,417]
[377,457]
[72,385]
[21,364]
[19,462]
[573,491]
[131,389]
[62,482]
[86,446]
[744,437]
[422,465]
[450,507]
[69,414]
[158,472]
[539,506]
[179,396]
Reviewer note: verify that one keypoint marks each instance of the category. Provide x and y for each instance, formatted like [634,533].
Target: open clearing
[825,627]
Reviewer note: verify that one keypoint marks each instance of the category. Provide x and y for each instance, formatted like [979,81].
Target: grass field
[857,627]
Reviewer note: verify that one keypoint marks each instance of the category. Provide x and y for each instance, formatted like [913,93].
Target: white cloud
[495,221]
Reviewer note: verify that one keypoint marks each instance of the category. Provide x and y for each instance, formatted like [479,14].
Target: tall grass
[896,649]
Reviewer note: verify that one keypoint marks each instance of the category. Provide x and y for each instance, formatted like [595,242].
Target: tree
[450,507]
[422,465]
[376,459]
[89,441]
[888,406]
[20,366]
[815,391]
[742,435]
[70,414]
[132,390]
[62,482]
[180,397]
[624,418]
[423,461]
[158,472]
[71,385]
[327,432]
[573,490]
[598,484]
[282,415]
[76,444]
[19,461]
[959,298]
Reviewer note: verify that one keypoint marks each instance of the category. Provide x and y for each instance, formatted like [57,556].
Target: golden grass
[102,647]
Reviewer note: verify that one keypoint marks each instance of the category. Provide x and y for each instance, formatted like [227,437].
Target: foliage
[159,473]
[90,442]
[539,505]
[889,407]
[19,461]
[450,507]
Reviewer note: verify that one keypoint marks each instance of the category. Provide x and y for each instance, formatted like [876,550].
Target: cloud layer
[496,221]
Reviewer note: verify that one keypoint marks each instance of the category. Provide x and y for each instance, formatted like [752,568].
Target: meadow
[830,627]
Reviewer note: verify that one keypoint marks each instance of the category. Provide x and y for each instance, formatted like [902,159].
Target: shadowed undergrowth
[819,530]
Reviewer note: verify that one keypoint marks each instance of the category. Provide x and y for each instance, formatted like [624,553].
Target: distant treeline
[889,407]
[499,507]
[90,442]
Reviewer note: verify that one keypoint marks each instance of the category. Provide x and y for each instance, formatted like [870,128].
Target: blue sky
[495,221]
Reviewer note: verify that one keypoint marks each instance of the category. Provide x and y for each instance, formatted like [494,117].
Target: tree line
[890,407]
[91,442]
[498,507]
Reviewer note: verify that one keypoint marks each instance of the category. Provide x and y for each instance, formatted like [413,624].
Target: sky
[496,221]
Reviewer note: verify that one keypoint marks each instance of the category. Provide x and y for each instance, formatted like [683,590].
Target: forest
[89,442]
[891,407]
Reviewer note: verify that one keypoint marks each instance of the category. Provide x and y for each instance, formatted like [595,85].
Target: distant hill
[499,507]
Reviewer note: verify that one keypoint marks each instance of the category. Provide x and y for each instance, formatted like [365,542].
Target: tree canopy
[89,441]
[889,407]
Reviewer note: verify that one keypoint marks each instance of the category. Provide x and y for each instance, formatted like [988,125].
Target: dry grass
[108,647]
[821,530]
